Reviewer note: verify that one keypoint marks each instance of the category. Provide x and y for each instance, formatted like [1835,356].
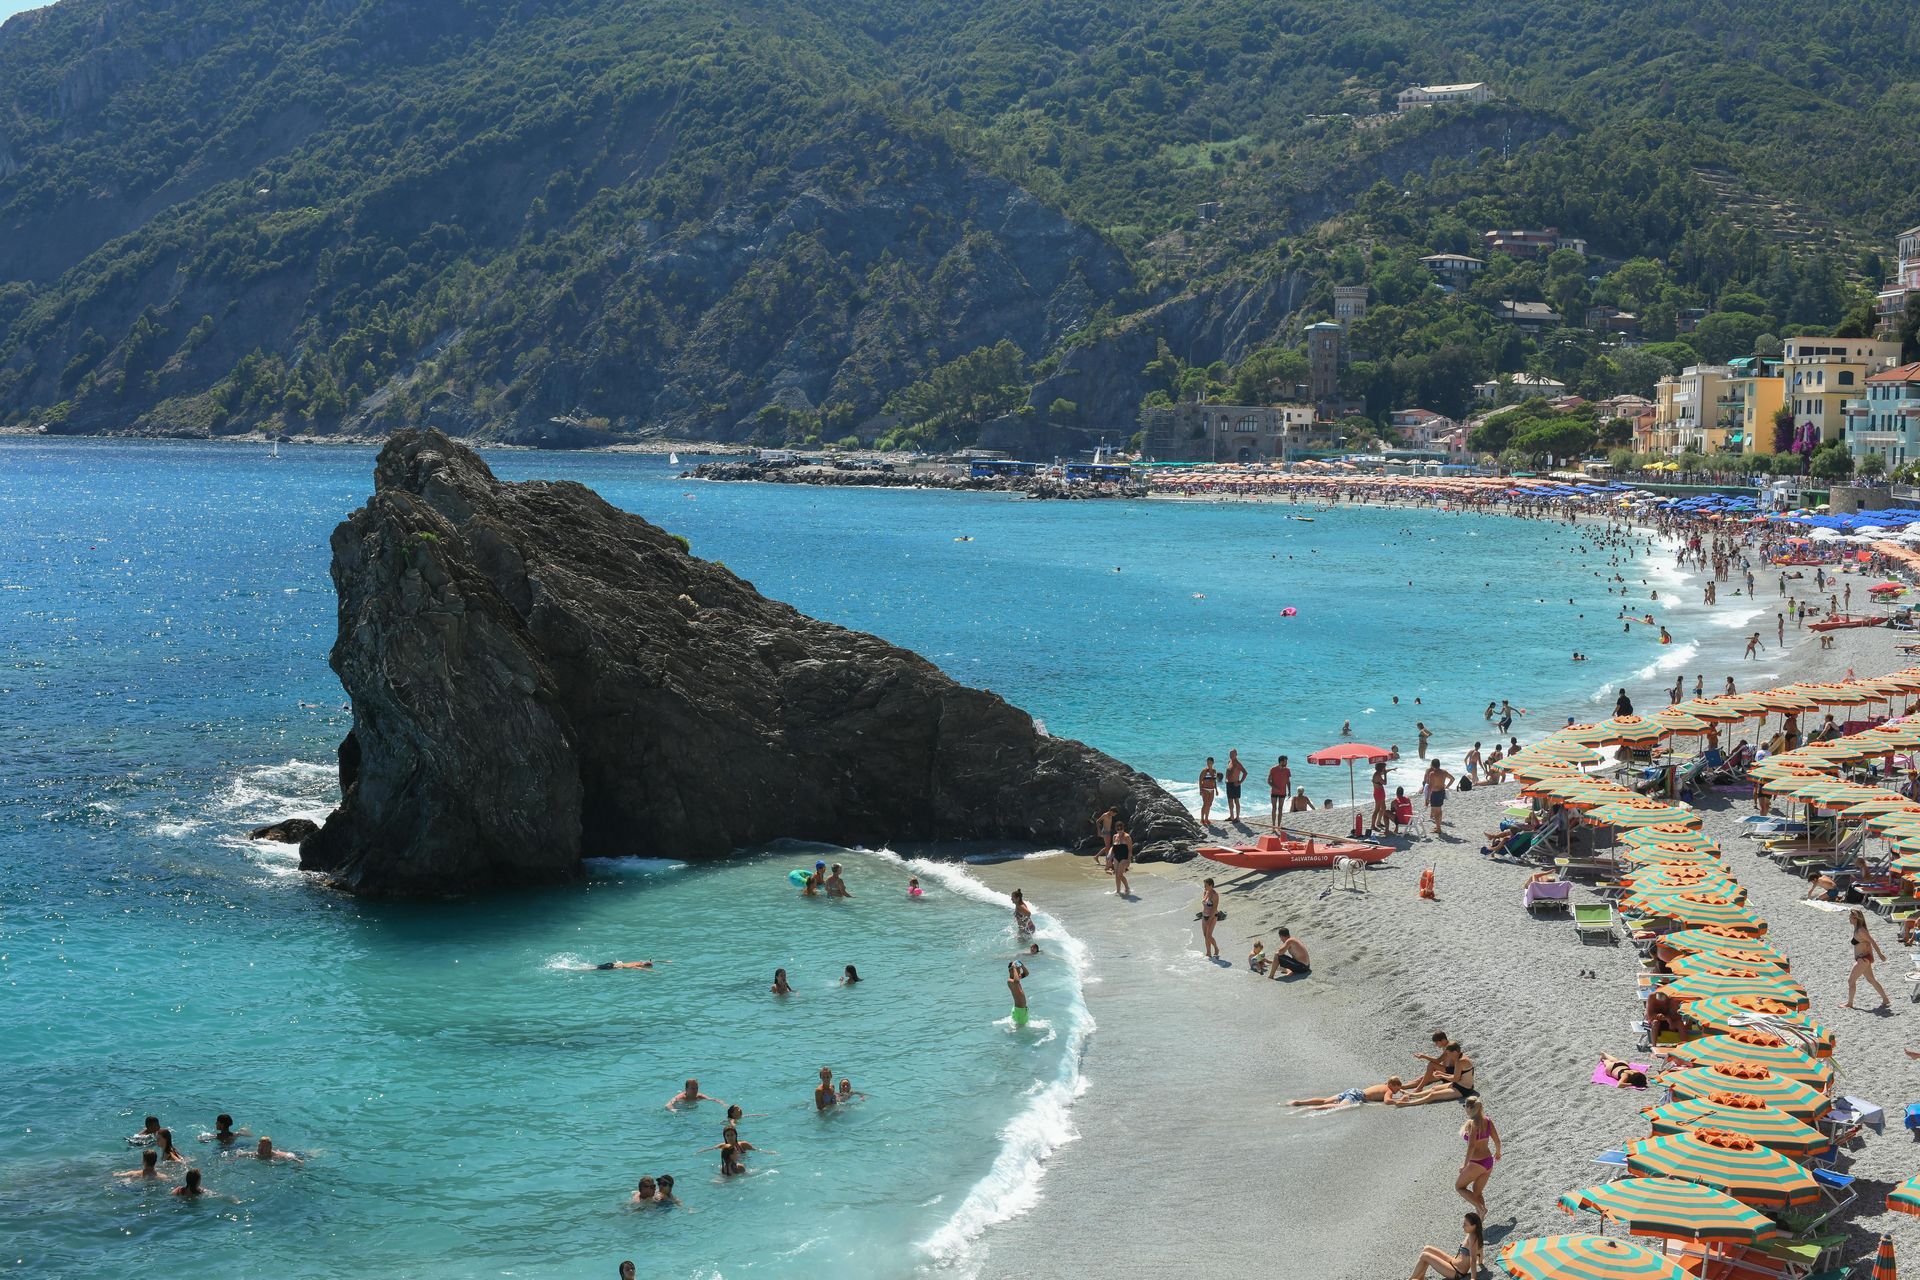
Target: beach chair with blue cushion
[1591,918]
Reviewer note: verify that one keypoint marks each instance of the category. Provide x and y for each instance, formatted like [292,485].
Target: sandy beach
[1184,1118]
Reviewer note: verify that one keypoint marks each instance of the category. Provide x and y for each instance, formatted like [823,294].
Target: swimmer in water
[149,1170]
[163,1140]
[733,1152]
[266,1151]
[848,1094]
[223,1131]
[666,1196]
[1015,972]
[824,1098]
[148,1132]
[626,964]
[836,887]
[1022,913]
[735,1115]
[815,882]
[780,987]
[851,976]
[690,1097]
[913,886]
[191,1187]
[645,1192]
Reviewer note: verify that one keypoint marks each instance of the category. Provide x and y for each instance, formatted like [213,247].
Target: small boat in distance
[673,459]
[1285,853]
[274,452]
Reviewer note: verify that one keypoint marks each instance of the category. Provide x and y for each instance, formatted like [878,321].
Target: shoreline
[1193,1060]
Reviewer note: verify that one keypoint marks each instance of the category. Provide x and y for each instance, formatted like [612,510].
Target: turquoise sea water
[471,1104]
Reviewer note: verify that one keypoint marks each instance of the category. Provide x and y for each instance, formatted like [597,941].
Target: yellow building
[1821,374]
[1755,392]
[1692,412]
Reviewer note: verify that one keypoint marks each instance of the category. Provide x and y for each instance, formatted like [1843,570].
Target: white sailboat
[673,459]
[275,452]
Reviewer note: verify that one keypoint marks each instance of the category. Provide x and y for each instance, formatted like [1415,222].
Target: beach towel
[1600,1076]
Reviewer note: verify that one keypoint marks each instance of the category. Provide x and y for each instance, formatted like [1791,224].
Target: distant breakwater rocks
[910,478]
[538,677]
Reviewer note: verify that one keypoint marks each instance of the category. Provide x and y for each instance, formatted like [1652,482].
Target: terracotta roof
[1905,373]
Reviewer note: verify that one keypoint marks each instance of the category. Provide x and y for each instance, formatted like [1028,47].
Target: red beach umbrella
[1348,753]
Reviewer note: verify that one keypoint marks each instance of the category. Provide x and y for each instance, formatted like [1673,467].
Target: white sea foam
[1012,1185]
[629,866]
[1675,657]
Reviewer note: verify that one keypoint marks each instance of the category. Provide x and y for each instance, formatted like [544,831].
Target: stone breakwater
[911,477]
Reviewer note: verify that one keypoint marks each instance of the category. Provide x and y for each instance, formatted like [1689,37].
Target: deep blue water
[472,1105]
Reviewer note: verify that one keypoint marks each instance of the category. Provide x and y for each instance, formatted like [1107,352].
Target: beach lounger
[1596,917]
[1554,896]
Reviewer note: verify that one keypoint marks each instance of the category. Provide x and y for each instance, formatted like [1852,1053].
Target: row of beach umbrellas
[1726,1153]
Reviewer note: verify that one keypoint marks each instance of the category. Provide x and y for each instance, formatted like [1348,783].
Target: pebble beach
[1188,1075]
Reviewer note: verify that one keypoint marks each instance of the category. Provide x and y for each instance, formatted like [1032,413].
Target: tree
[1638,369]
[1556,438]
[1726,334]
[1873,466]
[1832,462]
[1786,463]
[1063,410]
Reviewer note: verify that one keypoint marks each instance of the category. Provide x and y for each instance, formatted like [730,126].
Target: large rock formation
[538,677]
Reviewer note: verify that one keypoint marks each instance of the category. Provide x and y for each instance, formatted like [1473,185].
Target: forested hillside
[575,219]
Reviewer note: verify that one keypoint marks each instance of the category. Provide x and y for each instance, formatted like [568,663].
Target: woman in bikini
[1209,908]
[1022,913]
[1483,1151]
[1209,783]
[1865,952]
[1122,858]
[1464,1261]
[1620,1071]
[1450,1085]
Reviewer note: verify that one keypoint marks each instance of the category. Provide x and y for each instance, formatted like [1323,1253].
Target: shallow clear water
[472,1106]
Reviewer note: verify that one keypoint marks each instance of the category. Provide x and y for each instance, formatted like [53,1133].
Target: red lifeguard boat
[1285,853]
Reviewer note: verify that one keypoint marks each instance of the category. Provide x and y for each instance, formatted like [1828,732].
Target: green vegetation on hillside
[773,219]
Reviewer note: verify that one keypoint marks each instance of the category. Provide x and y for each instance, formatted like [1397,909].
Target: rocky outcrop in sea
[538,677]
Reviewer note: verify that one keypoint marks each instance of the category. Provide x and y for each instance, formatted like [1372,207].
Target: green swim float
[798,876]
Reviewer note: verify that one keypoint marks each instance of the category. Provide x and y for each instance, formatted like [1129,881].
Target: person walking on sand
[1865,952]
[1279,783]
[1473,762]
[1435,782]
[1780,629]
[1209,911]
[1122,861]
[1103,827]
[1483,1152]
[1209,783]
[1236,775]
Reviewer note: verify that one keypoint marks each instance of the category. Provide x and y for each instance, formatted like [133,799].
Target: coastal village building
[1886,421]
[1613,322]
[1233,433]
[1754,392]
[1822,374]
[1528,317]
[1521,386]
[1425,429]
[1434,95]
[1349,303]
[1537,243]
[1692,411]
[1453,270]
[1324,355]
[1890,304]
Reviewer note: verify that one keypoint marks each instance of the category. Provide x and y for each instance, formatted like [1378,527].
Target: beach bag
[1466,784]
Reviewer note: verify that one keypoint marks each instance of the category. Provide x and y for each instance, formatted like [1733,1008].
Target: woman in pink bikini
[1483,1149]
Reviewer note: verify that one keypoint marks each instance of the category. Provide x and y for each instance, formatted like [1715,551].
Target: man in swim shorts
[1279,780]
[626,964]
[1015,972]
[1290,958]
[1236,775]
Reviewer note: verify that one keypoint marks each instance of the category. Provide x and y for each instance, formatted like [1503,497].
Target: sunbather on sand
[1663,1015]
[1455,1085]
[1387,1093]
[1440,1062]
[1623,1072]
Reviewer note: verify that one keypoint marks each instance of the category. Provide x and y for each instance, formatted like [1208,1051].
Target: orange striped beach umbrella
[1672,855]
[1732,1013]
[1883,1264]
[1673,1209]
[1771,1052]
[1678,877]
[1694,908]
[1720,961]
[1734,981]
[1670,833]
[1623,813]
[1748,1171]
[1724,940]
[1736,1113]
[1584,1257]
[1802,1102]
[1905,1198]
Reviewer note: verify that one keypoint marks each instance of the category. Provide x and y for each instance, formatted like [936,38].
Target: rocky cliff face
[537,677]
